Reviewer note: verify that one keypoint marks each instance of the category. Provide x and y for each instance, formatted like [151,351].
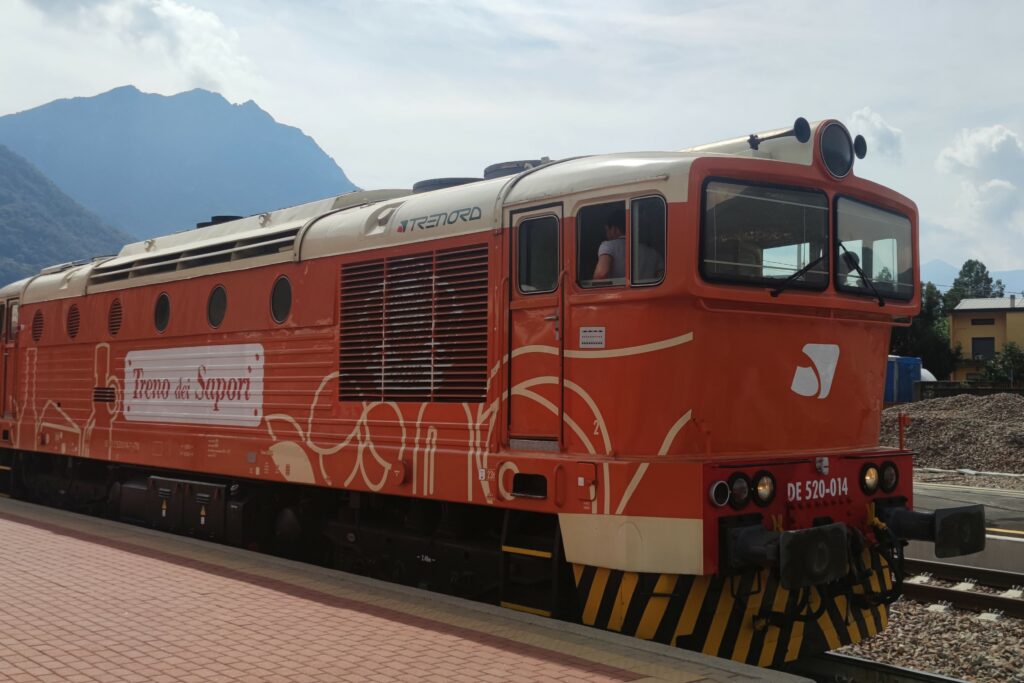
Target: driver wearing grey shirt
[611,254]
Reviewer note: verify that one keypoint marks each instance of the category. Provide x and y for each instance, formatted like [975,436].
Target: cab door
[536,331]
[8,348]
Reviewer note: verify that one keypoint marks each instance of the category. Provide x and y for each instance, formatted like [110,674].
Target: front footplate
[954,531]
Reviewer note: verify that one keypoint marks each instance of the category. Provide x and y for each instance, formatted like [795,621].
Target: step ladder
[531,563]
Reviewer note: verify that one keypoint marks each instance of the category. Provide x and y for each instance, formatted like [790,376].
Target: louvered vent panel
[37,326]
[414,328]
[74,321]
[362,331]
[114,318]
[460,325]
[103,395]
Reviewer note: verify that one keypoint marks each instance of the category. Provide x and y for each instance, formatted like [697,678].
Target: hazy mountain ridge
[152,164]
[41,226]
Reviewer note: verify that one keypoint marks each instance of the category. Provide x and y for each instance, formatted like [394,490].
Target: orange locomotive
[638,390]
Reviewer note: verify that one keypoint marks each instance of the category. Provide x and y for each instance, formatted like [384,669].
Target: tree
[928,335]
[1007,366]
[973,282]
[884,275]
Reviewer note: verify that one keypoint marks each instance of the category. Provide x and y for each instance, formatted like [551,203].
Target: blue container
[900,374]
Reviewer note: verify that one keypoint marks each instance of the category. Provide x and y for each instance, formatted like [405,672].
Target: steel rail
[965,599]
[836,668]
[993,578]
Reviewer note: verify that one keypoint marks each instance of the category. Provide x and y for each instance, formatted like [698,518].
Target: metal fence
[926,390]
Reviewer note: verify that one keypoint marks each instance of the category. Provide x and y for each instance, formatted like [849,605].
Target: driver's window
[3,320]
[601,240]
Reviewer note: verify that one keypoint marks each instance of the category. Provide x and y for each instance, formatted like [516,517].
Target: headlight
[869,478]
[890,476]
[739,487]
[764,488]
[719,494]
[837,150]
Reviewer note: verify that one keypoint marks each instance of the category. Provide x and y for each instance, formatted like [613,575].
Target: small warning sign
[592,337]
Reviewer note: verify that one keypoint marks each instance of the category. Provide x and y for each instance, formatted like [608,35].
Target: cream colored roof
[367,220]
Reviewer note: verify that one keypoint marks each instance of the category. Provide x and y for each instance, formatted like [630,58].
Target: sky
[401,90]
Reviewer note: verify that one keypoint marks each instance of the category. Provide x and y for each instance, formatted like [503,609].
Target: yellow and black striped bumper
[719,616]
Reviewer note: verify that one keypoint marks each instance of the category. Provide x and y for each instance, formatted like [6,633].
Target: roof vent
[505,168]
[441,183]
[217,220]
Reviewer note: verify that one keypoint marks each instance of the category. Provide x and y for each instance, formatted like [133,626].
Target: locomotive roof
[367,220]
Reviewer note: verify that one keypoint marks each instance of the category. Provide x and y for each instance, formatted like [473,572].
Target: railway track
[836,668]
[964,595]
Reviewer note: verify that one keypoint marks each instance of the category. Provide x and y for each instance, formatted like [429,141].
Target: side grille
[74,320]
[414,328]
[103,395]
[37,326]
[114,318]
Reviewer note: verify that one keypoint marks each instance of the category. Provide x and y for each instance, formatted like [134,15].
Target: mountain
[42,226]
[943,274]
[152,164]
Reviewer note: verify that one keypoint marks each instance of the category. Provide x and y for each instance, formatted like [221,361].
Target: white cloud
[882,138]
[191,41]
[989,164]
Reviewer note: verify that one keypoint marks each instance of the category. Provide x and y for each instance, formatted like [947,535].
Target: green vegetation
[928,335]
[41,226]
[1007,366]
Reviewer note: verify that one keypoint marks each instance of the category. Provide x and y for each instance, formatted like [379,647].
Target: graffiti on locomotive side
[214,385]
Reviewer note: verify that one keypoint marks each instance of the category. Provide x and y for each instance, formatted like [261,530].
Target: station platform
[84,599]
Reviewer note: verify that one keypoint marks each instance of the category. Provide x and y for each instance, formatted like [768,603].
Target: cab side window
[647,243]
[12,323]
[3,320]
[601,244]
[538,255]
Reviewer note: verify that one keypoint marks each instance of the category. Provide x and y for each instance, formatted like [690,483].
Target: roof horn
[801,130]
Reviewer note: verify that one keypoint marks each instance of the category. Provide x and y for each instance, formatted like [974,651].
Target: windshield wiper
[784,285]
[853,263]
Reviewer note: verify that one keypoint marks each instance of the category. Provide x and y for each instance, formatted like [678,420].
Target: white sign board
[211,385]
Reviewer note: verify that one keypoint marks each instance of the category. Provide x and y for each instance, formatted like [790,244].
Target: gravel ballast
[954,643]
[982,433]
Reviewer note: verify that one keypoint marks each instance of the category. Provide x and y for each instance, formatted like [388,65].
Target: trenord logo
[817,379]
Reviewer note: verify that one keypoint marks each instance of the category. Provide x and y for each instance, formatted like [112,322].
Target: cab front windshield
[765,235]
[878,242]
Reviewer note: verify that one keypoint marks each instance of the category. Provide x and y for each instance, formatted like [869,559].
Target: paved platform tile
[90,600]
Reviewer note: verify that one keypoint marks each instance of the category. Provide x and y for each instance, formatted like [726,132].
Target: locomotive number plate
[816,489]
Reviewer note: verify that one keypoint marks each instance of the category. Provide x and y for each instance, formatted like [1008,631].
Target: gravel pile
[984,433]
[952,643]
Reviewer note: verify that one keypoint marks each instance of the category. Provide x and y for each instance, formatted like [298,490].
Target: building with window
[981,327]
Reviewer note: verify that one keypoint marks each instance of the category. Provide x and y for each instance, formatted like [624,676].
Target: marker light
[890,476]
[764,488]
[719,494]
[740,488]
[869,478]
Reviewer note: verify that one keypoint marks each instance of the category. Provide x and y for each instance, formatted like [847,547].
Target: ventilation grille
[37,326]
[103,395]
[114,318]
[74,321]
[414,328]
[197,257]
